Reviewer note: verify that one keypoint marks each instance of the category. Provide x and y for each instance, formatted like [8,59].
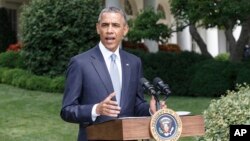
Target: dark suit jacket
[88,82]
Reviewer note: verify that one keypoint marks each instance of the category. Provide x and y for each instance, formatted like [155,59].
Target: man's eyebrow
[107,23]
[115,23]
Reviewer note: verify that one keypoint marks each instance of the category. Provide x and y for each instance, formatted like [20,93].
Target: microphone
[164,88]
[147,86]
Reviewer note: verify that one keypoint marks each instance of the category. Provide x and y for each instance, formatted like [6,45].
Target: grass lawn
[34,116]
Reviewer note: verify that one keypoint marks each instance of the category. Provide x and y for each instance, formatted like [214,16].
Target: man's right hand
[108,107]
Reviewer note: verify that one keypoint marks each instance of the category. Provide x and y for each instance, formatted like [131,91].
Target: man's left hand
[153,108]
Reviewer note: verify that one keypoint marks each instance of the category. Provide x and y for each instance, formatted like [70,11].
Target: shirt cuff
[150,112]
[94,115]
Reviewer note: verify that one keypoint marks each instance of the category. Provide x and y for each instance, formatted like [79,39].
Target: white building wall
[115,3]
[173,38]
[184,39]
[215,40]
[149,3]
[13,4]
[236,32]
[1,3]
[203,34]
[212,41]
[222,42]
[170,21]
[139,4]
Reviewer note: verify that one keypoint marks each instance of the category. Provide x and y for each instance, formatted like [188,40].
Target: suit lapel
[125,76]
[101,69]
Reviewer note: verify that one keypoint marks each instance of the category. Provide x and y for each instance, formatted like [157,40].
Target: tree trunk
[196,36]
[236,48]
[232,43]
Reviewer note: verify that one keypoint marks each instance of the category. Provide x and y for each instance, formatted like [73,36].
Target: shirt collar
[107,53]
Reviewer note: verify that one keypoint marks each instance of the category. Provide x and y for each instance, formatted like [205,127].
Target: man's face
[112,29]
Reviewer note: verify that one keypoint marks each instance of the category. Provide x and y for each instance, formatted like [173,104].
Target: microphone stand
[157,100]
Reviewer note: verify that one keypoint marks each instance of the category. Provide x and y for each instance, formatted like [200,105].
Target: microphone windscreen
[156,80]
[143,80]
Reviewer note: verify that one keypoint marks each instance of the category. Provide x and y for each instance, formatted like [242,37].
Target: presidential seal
[166,125]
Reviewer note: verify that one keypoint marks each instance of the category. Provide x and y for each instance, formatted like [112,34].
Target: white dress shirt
[106,55]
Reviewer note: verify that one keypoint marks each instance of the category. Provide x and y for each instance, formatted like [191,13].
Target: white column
[222,41]
[184,39]
[150,44]
[236,32]
[173,38]
[212,41]
[115,3]
[203,34]
[1,3]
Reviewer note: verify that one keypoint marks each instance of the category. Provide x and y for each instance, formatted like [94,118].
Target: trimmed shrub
[2,70]
[244,74]
[211,79]
[21,79]
[10,76]
[27,80]
[55,30]
[222,57]
[11,59]
[38,83]
[179,71]
[57,84]
[228,110]
[175,69]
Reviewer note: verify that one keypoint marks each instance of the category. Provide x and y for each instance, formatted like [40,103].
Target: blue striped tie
[115,77]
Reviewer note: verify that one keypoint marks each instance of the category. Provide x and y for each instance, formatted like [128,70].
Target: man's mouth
[110,39]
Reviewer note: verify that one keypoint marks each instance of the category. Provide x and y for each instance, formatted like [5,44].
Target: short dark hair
[113,10]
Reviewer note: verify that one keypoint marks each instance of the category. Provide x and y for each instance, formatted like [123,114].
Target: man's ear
[126,29]
[97,28]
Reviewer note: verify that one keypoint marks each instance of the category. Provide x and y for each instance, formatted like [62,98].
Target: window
[12,16]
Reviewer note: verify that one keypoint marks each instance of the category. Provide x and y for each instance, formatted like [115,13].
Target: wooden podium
[134,128]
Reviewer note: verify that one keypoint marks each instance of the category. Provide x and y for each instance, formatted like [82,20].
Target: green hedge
[187,73]
[24,79]
[191,74]
[212,78]
[172,68]
[244,74]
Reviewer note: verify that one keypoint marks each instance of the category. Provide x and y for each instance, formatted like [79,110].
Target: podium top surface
[132,128]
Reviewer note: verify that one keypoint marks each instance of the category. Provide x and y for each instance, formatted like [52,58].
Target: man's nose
[110,29]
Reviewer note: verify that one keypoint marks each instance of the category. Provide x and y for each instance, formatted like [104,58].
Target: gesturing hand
[108,107]
[153,106]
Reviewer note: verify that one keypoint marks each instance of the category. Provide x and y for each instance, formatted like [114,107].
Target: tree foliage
[224,14]
[146,26]
[55,30]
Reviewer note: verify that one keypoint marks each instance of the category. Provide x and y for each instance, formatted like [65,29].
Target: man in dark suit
[91,94]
